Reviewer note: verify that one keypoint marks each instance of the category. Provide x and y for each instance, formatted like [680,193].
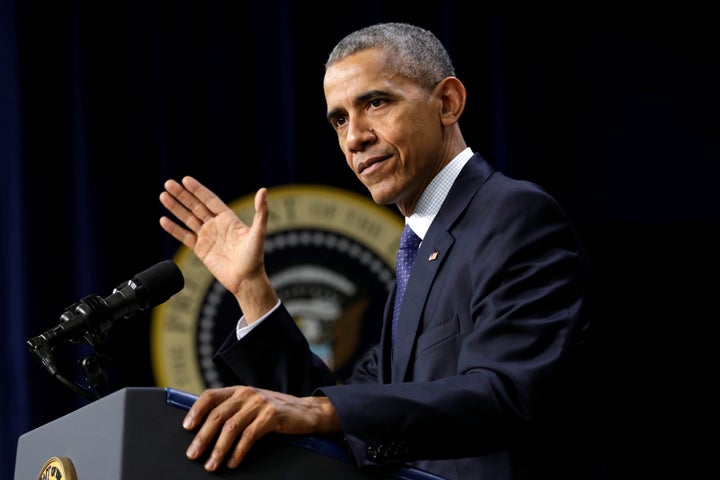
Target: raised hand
[231,250]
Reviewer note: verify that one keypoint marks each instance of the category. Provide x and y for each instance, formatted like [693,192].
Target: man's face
[388,127]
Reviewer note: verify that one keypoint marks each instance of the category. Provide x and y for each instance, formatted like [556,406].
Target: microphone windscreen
[161,281]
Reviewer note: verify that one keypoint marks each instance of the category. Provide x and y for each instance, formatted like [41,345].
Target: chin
[380,196]
[382,192]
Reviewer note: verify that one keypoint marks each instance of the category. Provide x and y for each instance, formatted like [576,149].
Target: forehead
[367,67]
[350,81]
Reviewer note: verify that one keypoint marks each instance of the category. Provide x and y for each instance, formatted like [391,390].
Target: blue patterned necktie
[409,243]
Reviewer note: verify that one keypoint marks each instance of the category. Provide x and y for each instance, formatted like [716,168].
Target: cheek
[424,137]
[346,153]
[408,131]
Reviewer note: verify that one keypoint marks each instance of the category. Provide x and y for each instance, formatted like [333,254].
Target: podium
[136,433]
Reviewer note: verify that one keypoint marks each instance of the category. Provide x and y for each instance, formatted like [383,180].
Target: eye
[339,121]
[377,102]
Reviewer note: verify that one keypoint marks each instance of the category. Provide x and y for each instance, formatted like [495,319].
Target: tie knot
[409,239]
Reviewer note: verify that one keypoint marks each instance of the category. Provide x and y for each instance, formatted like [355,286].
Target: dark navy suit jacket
[491,373]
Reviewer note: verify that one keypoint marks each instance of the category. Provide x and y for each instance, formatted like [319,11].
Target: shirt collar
[434,195]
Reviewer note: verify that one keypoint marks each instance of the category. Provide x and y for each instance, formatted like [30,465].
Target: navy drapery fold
[14,389]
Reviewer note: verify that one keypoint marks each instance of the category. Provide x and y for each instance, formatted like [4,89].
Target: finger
[187,207]
[244,423]
[187,238]
[234,427]
[251,433]
[261,206]
[212,204]
[180,203]
[182,214]
[262,212]
[209,410]
[208,400]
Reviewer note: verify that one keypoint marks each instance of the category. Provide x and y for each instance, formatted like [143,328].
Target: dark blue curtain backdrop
[613,109]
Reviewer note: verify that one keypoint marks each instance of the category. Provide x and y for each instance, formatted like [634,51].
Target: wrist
[256,298]
[328,420]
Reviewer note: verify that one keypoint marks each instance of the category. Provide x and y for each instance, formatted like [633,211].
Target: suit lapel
[421,278]
[434,249]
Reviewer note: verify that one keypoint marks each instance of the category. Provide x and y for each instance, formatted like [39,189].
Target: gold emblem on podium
[58,468]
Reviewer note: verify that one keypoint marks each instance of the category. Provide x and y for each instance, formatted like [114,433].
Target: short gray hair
[414,52]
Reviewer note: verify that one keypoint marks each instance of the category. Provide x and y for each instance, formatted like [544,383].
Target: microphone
[93,314]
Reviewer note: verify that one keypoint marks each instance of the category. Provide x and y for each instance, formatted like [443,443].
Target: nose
[359,135]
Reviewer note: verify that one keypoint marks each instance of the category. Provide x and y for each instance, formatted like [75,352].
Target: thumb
[262,212]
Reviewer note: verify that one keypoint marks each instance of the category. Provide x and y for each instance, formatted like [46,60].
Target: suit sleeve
[275,356]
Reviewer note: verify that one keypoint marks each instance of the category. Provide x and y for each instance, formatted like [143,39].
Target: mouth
[370,165]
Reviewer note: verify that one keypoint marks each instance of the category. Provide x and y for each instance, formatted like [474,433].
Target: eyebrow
[371,94]
[332,114]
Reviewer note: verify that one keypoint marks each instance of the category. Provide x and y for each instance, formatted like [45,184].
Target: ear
[452,93]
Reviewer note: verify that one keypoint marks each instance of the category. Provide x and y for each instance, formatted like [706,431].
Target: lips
[365,164]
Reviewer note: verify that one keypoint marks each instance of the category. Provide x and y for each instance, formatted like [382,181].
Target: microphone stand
[46,357]
[92,365]
[90,319]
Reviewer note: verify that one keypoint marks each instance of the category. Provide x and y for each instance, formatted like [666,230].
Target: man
[487,375]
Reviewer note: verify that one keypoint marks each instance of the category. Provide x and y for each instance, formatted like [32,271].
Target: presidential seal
[330,255]
[57,468]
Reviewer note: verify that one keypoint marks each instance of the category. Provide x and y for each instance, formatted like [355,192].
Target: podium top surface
[136,433]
